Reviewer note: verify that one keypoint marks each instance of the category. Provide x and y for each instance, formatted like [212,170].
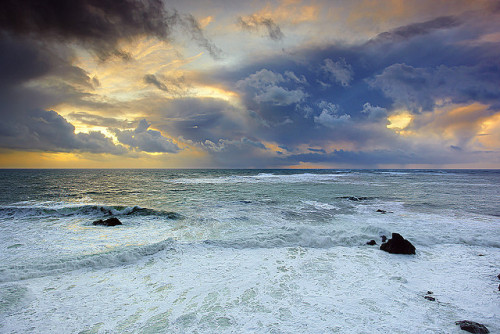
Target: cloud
[419,88]
[329,116]
[338,71]
[323,103]
[48,131]
[23,60]
[97,120]
[98,25]
[142,139]
[265,88]
[374,112]
[230,145]
[152,79]
[418,29]
[176,86]
[236,153]
[193,27]
[254,22]
[280,96]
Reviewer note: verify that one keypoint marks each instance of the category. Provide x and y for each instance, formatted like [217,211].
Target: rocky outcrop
[108,222]
[398,245]
[371,242]
[472,327]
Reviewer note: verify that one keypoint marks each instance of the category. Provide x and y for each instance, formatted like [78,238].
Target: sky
[250,84]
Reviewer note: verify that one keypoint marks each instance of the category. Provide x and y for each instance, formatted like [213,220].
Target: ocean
[248,251]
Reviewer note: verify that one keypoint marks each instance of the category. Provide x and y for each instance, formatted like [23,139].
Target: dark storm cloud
[27,122]
[35,39]
[142,139]
[97,24]
[48,131]
[348,91]
[22,60]
[419,88]
[379,157]
[254,22]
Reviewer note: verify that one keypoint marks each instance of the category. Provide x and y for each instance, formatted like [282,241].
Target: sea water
[248,251]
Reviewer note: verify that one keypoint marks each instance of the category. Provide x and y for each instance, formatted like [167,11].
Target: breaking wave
[262,178]
[114,258]
[82,210]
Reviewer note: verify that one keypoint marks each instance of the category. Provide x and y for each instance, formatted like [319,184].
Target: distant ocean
[248,251]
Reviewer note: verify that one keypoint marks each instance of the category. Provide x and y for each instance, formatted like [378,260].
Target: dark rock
[432,299]
[381,211]
[398,245]
[371,242]
[472,327]
[355,199]
[430,292]
[108,222]
[384,238]
[498,276]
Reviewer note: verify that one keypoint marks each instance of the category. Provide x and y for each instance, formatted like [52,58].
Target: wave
[262,178]
[114,258]
[82,210]
[302,237]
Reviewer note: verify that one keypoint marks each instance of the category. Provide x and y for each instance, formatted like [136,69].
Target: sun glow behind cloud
[399,121]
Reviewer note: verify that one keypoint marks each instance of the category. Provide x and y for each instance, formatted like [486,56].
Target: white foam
[262,178]
[322,206]
[207,289]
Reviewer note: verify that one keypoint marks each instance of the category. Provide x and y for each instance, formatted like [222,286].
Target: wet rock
[498,276]
[384,238]
[472,327]
[398,245]
[432,299]
[430,292]
[371,242]
[108,222]
[355,199]
[381,211]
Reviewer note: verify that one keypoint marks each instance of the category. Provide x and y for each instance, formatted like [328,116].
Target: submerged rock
[432,299]
[371,242]
[108,222]
[381,211]
[384,238]
[472,327]
[398,245]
